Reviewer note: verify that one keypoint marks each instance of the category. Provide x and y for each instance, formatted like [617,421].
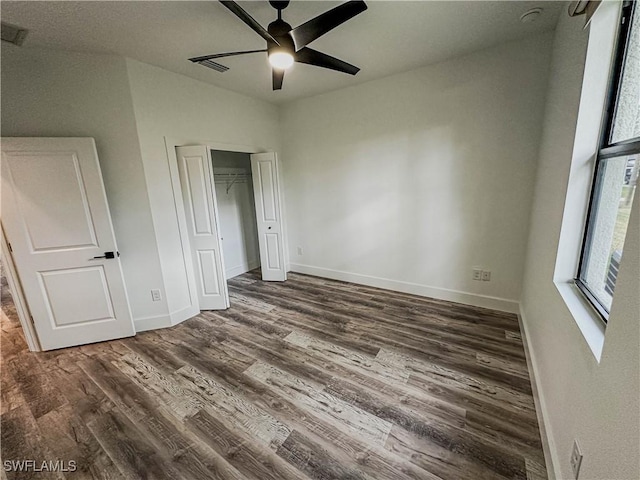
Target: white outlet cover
[486,275]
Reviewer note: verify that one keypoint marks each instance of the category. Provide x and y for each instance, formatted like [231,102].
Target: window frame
[607,150]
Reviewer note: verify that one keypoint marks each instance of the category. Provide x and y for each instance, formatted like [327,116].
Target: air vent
[213,65]
[13,34]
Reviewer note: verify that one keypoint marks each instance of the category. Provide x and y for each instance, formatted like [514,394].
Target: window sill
[585,316]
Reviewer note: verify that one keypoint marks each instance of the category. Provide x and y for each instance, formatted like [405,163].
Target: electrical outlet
[300,251]
[486,275]
[155,295]
[477,273]
[576,459]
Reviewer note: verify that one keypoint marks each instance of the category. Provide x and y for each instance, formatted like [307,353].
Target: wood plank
[475,449]
[440,461]
[144,345]
[129,449]
[300,363]
[10,396]
[35,386]
[497,363]
[338,354]
[240,451]
[314,460]
[439,352]
[536,470]
[321,322]
[513,398]
[12,341]
[509,435]
[189,391]
[68,438]
[21,440]
[164,432]
[255,421]
[173,395]
[377,461]
[80,391]
[342,414]
[406,319]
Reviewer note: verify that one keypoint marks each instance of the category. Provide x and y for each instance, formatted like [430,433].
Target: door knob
[108,255]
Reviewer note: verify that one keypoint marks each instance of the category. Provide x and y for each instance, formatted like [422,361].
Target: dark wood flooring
[307,379]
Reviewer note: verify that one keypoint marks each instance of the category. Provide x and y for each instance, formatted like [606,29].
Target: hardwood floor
[307,379]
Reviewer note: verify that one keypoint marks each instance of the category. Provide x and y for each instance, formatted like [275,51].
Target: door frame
[170,145]
[19,300]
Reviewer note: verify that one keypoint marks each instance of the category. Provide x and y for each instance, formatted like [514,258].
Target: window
[616,171]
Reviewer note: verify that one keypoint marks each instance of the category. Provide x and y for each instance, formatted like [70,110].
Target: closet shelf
[230,176]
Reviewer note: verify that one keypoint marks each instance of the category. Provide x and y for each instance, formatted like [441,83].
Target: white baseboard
[164,321]
[151,323]
[548,445]
[183,314]
[240,269]
[485,301]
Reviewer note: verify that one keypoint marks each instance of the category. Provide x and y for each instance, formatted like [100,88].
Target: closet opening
[232,219]
[236,212]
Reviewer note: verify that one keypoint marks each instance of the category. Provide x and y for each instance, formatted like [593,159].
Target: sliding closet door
[266,186]
[198,192]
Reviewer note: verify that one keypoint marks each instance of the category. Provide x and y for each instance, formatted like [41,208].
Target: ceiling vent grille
[13,34]
[213,65]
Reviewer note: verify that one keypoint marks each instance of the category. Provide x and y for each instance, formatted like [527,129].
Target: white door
[266,187]
[56,218]
[199,195]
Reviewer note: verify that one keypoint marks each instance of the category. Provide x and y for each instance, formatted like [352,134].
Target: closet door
[201,209]
[266,187]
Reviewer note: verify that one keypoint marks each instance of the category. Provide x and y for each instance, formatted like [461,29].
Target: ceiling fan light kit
[286,45]
[281,60]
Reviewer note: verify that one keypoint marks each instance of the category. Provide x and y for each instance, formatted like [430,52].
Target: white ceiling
[390,37]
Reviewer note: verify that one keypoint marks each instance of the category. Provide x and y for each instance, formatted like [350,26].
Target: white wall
[171,107]
[597,403]
[132,109]
[416,178]
[60,94]
[237,214]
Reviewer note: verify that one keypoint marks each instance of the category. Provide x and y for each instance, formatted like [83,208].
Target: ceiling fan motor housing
[279,29]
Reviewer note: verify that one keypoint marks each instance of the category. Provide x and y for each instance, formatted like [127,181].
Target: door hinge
[10,247]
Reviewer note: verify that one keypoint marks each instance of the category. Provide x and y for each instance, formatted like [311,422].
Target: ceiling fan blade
[313,57]
[306,33]
[239,12]
[218,67]
[277,76]
[220,55]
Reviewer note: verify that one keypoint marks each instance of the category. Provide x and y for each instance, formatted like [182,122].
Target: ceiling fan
[286,45]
